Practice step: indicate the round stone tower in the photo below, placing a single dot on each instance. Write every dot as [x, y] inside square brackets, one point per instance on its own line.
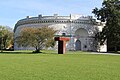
[81, 30]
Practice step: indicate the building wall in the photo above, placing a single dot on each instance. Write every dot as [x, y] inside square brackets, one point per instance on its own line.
[81, 28]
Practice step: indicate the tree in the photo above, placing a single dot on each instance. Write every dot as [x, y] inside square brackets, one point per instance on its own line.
[6, 37]
[38, 38]
[110, 14]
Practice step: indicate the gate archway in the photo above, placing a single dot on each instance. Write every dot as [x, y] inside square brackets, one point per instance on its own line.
[81, 35]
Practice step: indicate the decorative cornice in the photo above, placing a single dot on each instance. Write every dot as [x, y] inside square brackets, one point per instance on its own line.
[52, 19]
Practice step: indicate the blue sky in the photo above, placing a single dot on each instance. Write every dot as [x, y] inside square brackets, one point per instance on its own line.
[13, 10]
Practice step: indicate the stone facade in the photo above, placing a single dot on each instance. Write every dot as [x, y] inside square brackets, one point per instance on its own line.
[81, 30]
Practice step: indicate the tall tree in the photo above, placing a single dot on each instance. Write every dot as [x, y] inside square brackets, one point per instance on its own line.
[6, 37]
[38, 38]
[110, 14]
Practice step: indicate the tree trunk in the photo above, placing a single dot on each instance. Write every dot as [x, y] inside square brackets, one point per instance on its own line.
[37, 50]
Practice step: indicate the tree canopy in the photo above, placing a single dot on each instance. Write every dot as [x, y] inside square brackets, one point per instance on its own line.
[110, 14]
[6, 37]
[38, 38]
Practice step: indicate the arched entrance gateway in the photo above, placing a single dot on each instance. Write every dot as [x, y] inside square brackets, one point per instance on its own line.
[81, 42]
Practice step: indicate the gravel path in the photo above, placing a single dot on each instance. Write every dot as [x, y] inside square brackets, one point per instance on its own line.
[104, 53]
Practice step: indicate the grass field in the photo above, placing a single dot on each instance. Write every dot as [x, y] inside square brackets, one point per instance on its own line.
[71, 66]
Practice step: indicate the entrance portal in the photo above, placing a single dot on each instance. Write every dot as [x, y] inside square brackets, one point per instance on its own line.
[81, 35]
[78, 45]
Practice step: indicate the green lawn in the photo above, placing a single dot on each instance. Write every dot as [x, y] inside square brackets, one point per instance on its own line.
[71, 66]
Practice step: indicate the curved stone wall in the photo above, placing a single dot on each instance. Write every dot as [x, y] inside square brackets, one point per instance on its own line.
[64, 24]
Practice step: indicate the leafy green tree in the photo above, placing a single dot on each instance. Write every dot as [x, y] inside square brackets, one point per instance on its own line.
[38, 38]
[6, 37]
[110, 14]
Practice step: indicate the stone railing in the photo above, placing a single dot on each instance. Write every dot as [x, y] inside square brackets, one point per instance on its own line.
[54, 19]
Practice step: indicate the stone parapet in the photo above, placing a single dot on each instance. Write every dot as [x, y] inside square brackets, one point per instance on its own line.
[55, 19]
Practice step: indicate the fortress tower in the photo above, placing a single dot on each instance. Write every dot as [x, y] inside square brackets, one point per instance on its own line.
[81, 30]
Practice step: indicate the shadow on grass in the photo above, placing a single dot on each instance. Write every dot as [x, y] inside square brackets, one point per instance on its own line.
[15, 52]
[49, 52]
[28, 52]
